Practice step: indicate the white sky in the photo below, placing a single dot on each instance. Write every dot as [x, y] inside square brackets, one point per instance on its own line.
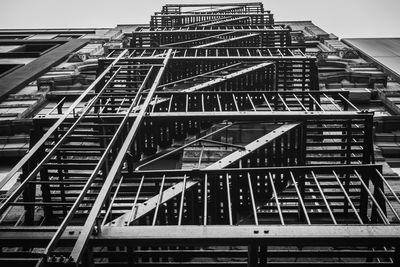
[345, 18]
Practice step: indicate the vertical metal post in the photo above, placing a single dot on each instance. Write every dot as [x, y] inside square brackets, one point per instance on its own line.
[29, 193]
[368, 156]
[396, 259]
[87, 259]
[263, 255]
[252, 255]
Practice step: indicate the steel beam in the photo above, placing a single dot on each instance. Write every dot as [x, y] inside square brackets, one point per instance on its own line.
[314, 235]
[238, 235]
[235, 116]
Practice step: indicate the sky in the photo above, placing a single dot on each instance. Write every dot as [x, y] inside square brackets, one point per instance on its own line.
[345, 18]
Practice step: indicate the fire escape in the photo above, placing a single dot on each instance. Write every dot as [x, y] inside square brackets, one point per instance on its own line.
[207, 142]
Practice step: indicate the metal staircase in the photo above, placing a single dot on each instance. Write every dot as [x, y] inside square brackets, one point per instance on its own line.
[105, 181]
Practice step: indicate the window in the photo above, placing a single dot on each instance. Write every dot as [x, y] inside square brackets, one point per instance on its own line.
[7, 68]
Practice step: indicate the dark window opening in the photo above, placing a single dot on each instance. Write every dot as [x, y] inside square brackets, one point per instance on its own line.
[29, 50]
[13, 37]
[68, 36]
[32, 48]
[8, 68]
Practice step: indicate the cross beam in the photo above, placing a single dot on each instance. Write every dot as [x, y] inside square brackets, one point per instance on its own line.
[314, 235]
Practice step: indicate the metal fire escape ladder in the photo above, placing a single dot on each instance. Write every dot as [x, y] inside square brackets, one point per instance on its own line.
[203, 79]
[111, 145]
[114, 173]
[149, 205]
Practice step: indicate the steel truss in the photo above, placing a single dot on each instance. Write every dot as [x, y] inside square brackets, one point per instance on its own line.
[199, 145]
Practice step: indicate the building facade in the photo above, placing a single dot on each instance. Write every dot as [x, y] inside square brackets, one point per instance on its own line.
[214, 135]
